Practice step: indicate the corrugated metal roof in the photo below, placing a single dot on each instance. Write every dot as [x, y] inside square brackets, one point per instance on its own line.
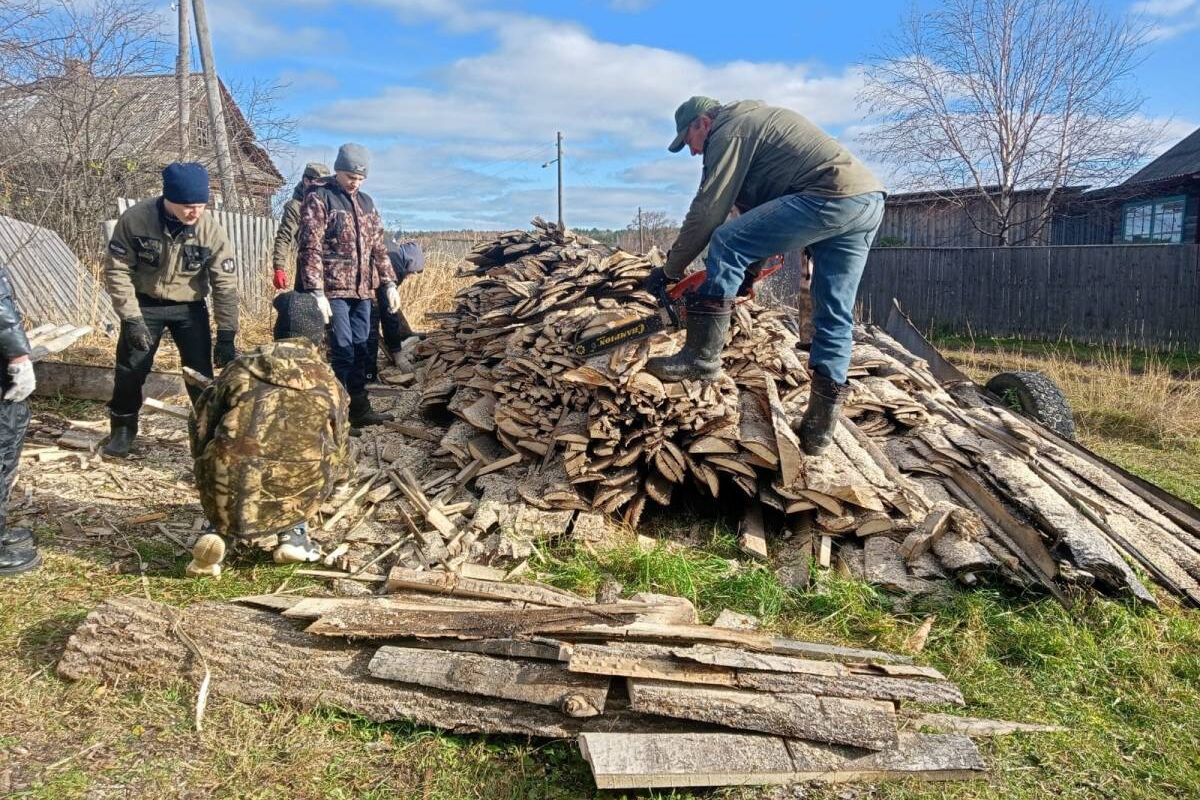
[1182, 159]
[51, 284]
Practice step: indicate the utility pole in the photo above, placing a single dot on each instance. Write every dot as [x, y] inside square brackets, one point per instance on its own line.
[215, 113]
[183, 68]
[641, 233]
[559, 160]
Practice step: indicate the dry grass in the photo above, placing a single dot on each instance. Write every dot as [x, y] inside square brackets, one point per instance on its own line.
[1120, 393]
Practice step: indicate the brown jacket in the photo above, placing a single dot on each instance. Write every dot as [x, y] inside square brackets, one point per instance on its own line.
[341, 244]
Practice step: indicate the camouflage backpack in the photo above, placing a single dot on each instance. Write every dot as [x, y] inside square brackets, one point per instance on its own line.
[269, 439]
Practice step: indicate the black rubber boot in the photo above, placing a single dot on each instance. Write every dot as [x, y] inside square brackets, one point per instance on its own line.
[825, 400]
[700, 357]
[123, 429]
[361, 413]
[13, 537]
[15, 559]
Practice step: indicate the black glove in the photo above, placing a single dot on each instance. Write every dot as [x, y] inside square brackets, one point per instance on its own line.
[137, 334]
[752, 270]
[659, 279]
[224, 351]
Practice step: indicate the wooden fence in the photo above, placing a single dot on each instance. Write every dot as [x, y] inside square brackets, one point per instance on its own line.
[1123, 294]
[252, 238]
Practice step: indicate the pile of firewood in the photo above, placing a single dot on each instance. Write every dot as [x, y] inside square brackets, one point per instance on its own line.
[655, 698]
[921, 486]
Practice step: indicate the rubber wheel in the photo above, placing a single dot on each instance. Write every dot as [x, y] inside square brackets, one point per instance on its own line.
[1035, 396]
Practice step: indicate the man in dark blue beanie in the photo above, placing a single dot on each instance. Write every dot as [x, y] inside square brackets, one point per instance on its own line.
[164, 256]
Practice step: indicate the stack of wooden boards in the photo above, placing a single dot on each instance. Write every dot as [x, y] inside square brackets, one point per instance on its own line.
[919, 489]
[655, 698]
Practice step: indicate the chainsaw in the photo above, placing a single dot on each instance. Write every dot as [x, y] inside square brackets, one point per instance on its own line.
[671, 315]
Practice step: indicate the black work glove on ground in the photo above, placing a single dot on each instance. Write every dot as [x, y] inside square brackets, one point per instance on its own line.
[137, 334]
[224, 350]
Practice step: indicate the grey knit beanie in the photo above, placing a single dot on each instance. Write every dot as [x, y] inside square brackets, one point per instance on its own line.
[354, 158]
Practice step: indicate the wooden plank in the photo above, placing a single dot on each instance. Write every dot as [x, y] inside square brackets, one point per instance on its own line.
[870, 687]
[974, 726]
[599, 660]
[862, 723]
[459, 586]
[665, 760]
[752, 539]
[374, 622]
[86, 382]
[525, 680]
[743, 660]
[787, 445]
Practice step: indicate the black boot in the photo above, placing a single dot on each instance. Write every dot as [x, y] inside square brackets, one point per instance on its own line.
[700, 357]
[123, 430]
[12, 537]
[361, 413]
[825, 400]
[15, 559]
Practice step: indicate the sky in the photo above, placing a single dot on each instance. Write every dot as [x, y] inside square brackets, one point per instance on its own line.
[459, 101]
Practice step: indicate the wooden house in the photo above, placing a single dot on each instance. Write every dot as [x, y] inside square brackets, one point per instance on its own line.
[963, 218]
[127, 127]
[1159, 204]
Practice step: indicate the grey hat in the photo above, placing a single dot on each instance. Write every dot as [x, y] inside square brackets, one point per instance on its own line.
[315, 169]
[354, 158]
[686, 114]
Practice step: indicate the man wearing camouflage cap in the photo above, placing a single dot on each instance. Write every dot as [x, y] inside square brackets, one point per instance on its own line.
[795, 187]
[343, 261]
[283, 253]
[269, 439]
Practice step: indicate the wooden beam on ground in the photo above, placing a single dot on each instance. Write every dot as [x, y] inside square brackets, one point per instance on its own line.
[528, 681]
[259, 657]
[449, 583]
[664, 760]
[861, 723]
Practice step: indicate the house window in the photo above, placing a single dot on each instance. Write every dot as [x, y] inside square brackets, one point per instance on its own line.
[1159, 220]
[202, 132]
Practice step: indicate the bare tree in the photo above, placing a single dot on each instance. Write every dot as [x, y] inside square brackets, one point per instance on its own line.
[996, 96]
[654, 228]
[68, 149]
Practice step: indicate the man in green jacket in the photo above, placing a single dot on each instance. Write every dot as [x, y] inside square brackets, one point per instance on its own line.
[794, 186]
[283, 252]
[166, 255]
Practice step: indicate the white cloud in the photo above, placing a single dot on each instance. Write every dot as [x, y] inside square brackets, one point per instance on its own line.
[462, 148]
[252, 34]
[1163, 8]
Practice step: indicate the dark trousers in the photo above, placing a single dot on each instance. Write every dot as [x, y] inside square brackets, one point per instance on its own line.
[348, 332]
[14, 420]
[395, 330]
[188, 324]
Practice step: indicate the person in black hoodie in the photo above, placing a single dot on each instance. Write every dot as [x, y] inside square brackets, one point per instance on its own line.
[18, 553]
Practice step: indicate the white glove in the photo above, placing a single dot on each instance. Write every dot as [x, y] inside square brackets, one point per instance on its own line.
[393, 299]
[23, 380]
[323, 304]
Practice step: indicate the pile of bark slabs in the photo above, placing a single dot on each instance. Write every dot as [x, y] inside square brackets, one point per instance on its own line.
[921, 488]
[655, 698]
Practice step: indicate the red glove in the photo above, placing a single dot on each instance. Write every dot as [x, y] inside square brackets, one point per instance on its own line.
[281, 280]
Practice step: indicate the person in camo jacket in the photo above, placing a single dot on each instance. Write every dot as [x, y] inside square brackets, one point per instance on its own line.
[283, 252]
[343, 262]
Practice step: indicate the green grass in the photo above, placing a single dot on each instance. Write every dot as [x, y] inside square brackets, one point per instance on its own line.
[1124, 679]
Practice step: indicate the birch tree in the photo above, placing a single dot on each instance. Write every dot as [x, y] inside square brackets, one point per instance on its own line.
[995, 96]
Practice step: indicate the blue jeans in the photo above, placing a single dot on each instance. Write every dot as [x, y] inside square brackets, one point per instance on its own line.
[838, 231]
[348, 332]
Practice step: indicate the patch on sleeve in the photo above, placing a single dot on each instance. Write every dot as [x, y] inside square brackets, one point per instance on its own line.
[228, 265]
[117, 249]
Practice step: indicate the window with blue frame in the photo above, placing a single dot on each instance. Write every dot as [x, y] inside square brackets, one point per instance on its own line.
[1159, 220]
